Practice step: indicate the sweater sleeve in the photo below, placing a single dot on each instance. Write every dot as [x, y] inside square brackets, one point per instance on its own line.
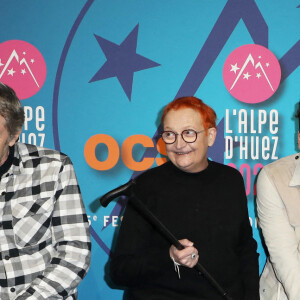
[136, 261]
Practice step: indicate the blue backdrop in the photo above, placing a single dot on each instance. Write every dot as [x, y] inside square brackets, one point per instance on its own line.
[112, 65]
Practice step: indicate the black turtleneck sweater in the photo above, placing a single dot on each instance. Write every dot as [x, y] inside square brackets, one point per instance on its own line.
[210, 209]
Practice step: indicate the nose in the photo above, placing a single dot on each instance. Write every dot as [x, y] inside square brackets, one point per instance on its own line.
[180, 142]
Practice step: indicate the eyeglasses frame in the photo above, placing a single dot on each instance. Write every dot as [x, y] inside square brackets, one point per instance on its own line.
[176, 134]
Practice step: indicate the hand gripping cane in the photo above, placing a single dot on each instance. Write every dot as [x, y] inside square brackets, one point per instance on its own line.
[126, 190]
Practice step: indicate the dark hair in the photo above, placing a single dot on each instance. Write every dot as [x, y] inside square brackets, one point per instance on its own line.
[11, 109]
[207, 114]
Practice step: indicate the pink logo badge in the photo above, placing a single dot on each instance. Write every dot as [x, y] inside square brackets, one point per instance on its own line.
[22, 67]
[251, 73]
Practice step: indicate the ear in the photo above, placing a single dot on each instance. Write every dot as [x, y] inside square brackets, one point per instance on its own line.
[14, 138]
[212, 133]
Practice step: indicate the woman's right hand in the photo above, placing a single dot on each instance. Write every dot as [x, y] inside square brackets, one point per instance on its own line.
[186, 257]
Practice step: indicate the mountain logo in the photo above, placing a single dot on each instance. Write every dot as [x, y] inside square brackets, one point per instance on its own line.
[251, 73]
[22, 67]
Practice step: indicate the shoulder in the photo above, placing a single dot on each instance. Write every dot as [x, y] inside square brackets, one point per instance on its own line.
[281, 167]
[224, 171]
[154, 173]
[29, 152]
[282, 162]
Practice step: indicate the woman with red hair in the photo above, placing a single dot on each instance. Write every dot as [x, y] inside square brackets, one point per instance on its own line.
[203, 203]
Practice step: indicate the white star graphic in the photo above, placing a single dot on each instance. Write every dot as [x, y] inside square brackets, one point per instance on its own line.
[23, 71]
[32, 60]
[246, 75]
[1, 64]
[24, 53]
[259, 57]
[11, 72]
[267, 64]
[234, 68]
[258, 75]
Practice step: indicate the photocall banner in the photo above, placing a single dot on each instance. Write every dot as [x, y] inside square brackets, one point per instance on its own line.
[94, 76]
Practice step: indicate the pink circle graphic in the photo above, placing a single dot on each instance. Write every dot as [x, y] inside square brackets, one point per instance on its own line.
[22, 67]
[251, 73]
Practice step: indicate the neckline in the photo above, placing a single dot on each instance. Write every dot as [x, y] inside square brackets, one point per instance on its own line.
[7, 164]
[204, 172]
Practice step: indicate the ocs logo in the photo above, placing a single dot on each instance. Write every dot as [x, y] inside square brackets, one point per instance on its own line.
[90, 152]
[22, 67]
[251, 73]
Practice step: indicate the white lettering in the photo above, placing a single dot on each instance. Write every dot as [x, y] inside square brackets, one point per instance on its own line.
[105, 220]
[228, 147]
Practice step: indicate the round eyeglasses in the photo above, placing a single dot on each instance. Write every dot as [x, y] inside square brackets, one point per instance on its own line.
[188, 135]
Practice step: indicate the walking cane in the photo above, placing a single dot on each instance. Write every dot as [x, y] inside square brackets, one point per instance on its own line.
[126, 190]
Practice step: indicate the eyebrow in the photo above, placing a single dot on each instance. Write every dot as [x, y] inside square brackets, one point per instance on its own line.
[184, 128]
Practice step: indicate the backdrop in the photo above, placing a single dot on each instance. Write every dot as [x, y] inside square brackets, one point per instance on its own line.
[94, 76]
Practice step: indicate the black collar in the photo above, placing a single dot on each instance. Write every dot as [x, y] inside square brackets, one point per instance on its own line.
[7, 164]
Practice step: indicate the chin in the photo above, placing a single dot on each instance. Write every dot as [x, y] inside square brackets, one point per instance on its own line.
[185, 168]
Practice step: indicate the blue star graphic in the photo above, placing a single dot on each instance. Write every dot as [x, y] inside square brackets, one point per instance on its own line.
[122, 61]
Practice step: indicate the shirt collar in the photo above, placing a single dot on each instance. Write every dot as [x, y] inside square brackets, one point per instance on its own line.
[295, 181]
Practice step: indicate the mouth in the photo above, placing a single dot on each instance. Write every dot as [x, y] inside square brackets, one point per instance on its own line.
[183, 153]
